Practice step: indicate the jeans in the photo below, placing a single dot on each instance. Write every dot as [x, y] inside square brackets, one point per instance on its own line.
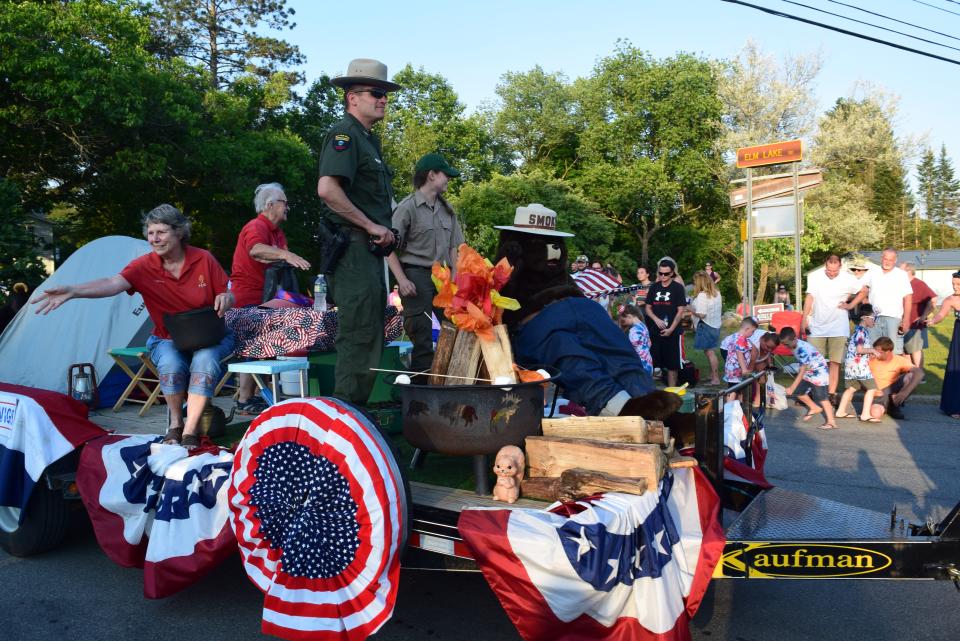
[202, 368]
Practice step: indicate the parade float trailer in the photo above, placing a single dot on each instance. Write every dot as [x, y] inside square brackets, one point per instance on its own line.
[774, 533]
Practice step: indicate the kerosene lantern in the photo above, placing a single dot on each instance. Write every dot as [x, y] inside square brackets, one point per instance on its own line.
[82, 383]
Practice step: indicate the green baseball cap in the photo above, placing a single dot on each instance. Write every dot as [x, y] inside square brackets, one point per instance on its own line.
[435, 162]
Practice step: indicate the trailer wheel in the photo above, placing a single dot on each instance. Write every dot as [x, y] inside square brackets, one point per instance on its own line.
[44, 525]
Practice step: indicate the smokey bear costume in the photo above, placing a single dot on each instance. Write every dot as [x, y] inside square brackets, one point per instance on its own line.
[558, 327]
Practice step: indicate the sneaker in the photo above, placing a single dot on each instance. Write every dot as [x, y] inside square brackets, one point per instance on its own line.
[895, 411]
[251, 407]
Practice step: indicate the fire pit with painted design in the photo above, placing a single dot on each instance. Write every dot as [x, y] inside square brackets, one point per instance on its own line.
[468, 420]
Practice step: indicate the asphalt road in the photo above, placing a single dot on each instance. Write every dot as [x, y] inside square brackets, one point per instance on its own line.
[77, 593]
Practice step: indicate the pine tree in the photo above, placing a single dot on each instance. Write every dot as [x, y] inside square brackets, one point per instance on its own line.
[927, 184]
[220, 35]
[947, 193]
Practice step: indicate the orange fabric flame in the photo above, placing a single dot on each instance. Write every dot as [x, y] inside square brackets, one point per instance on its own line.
[471, 298]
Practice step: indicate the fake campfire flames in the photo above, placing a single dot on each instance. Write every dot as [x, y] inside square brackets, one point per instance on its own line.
[575, 457]
[475, 347]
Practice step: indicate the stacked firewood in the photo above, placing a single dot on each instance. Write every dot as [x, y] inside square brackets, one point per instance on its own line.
[581, 456]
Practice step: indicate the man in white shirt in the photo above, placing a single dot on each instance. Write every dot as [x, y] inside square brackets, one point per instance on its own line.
[825, 315]
[891, 296]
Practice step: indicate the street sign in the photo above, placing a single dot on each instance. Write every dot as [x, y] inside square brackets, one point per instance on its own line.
[775, 218]
[764, 188]
[764, 313]
[772, 154]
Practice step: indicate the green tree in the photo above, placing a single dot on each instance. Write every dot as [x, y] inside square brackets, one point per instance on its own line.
[537, 118]
[312, 115]
[927, 184]
[427, 116]
[857, 144]
[947, 193]
[765, 100]
[84, 107]
[649, 149]
[221, 36]
[99, 129]
[19, 249]
[494, 202]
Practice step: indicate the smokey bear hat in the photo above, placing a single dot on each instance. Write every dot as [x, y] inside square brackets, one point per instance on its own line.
[535, 219]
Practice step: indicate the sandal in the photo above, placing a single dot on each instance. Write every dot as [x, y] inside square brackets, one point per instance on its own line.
[173, 436]
[870, 420]
[810, 415]
[827, 426]
[190, 441]
[846, 415]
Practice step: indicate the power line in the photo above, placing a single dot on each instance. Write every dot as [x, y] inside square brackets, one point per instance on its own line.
[869, 24]
[909, 24]
[862, 36]
[936, 7]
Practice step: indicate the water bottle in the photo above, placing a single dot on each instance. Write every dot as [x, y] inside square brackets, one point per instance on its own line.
[320, 293]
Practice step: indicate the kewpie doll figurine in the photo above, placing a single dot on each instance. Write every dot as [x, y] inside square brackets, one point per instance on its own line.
[509, 470]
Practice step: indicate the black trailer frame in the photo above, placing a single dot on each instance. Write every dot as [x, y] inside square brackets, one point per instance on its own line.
[778, 534]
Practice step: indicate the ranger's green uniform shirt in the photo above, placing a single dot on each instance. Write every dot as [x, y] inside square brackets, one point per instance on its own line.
[351, 152]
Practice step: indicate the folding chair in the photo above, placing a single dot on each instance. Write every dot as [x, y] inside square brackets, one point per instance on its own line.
[778, 321]
[138, 379]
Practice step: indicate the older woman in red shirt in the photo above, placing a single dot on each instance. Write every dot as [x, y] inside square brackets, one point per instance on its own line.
[260, 243]
[175, 277]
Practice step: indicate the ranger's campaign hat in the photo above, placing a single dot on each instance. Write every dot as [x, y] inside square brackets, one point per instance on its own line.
[535, 219]
[366, 71]
[435, 162]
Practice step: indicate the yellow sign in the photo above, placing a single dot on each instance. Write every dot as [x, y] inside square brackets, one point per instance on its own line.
[802, 561]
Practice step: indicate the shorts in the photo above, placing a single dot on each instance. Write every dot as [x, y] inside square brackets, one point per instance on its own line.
[833, 348]
[861, 384]
[915, 340]
[886, 392]
[707, 337]
[816, 392]
[666, 351]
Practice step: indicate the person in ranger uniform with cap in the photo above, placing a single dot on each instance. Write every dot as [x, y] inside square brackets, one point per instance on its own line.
[357, 195]
[429, 232]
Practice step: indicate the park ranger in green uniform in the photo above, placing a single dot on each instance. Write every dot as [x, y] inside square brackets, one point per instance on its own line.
[356, 191]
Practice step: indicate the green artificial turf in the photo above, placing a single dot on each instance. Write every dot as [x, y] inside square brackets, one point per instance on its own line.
[438, 469]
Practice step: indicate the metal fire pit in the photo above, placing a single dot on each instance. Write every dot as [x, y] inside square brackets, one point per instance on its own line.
[468, 420]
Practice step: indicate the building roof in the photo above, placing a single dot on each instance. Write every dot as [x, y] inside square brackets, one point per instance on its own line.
[924, 258]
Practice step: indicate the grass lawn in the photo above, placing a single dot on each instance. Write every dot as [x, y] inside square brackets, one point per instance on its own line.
[935, 357]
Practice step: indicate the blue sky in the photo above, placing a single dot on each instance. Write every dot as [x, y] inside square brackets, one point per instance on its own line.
[473, 43]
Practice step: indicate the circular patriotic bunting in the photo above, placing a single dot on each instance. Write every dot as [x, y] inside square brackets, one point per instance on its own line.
[319, 510]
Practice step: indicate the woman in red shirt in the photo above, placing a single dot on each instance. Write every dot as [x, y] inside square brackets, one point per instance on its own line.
[175, 277]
